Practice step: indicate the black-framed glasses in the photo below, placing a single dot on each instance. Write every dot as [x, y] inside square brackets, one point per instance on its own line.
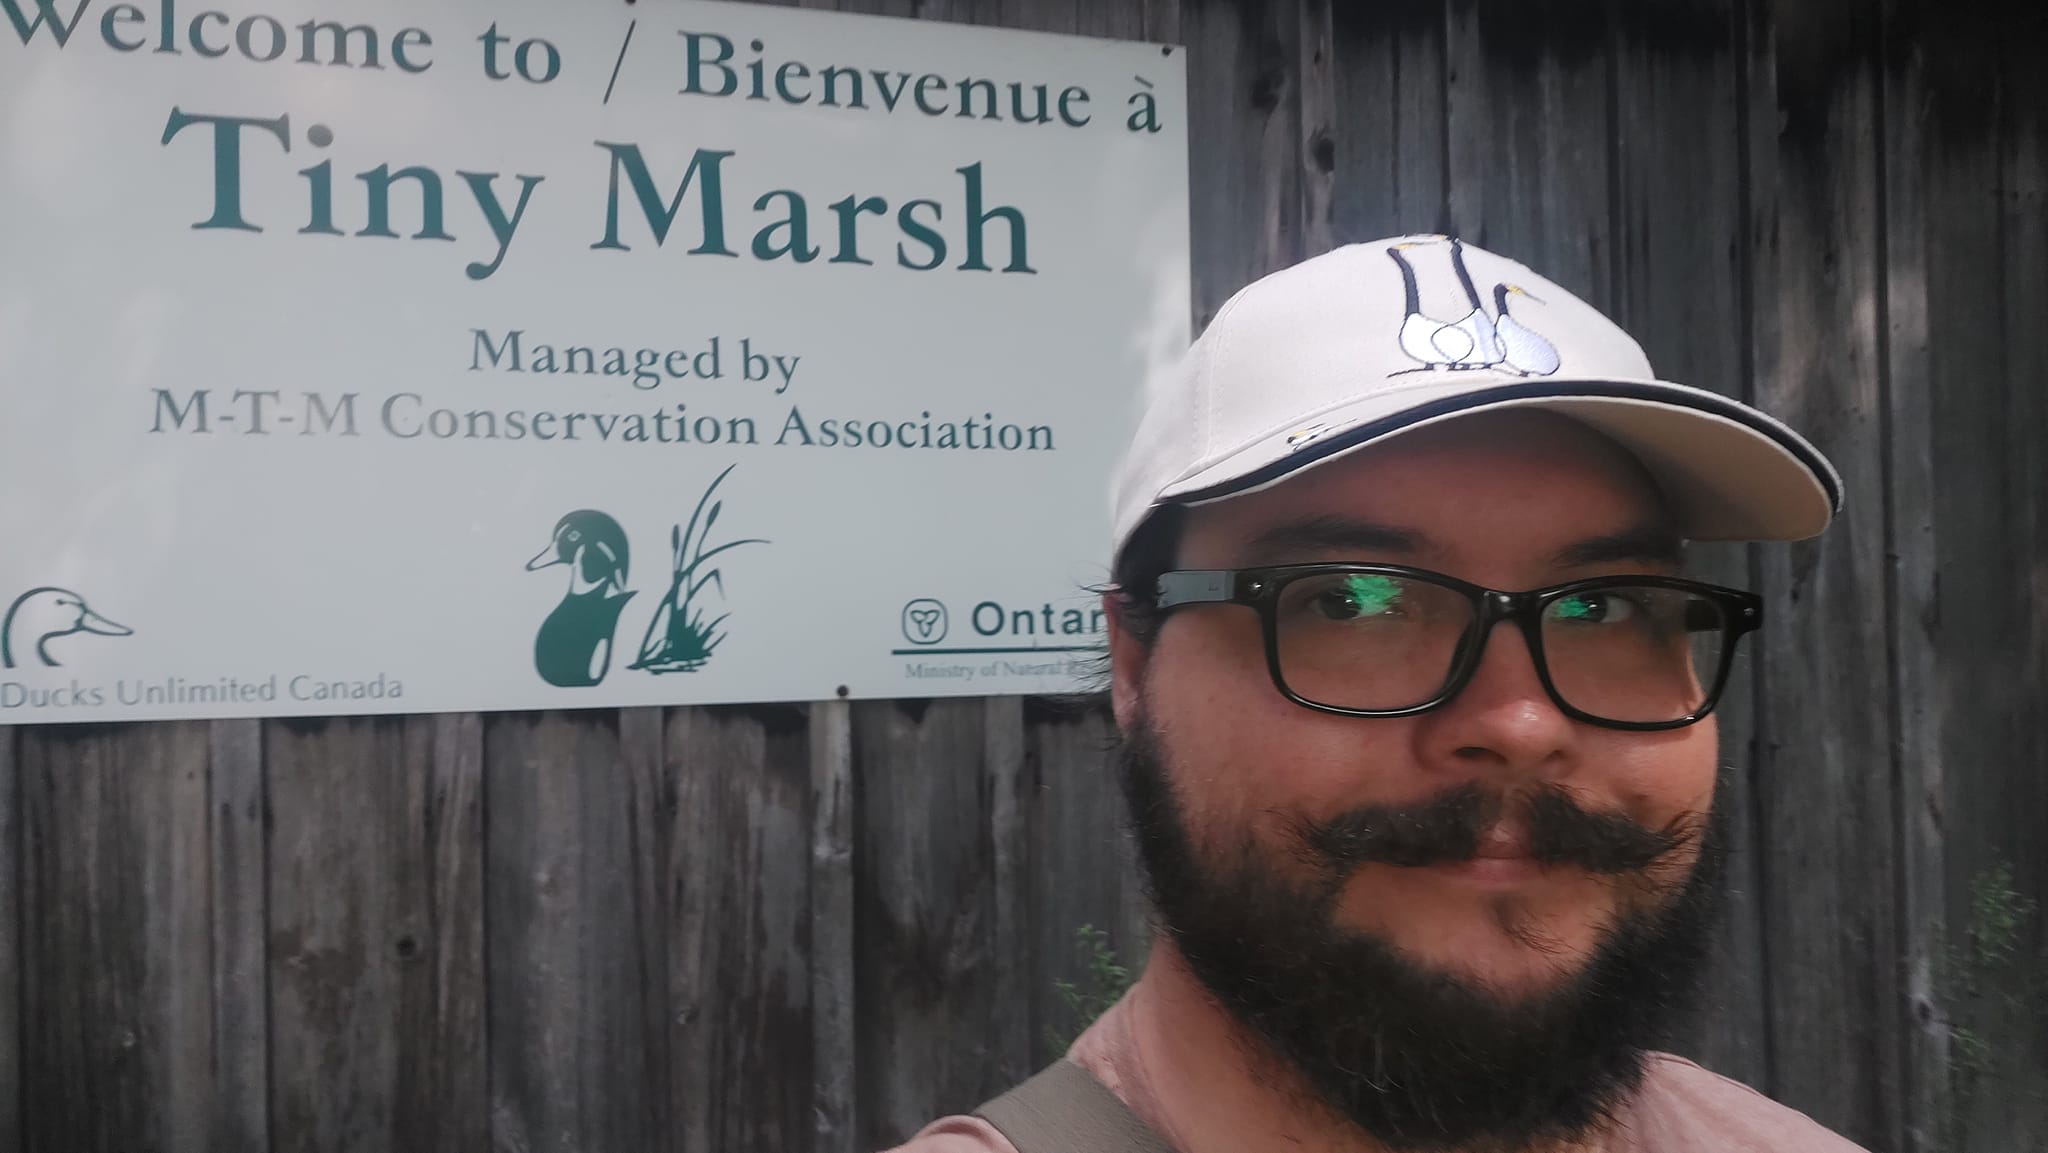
[1633, 652]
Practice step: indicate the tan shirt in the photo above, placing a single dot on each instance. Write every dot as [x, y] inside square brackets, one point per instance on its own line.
[1681, 1107]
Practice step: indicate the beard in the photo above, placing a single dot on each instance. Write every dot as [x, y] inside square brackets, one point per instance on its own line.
[1417, 1058]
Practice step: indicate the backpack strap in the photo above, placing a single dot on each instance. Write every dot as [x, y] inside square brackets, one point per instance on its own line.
[1064, 1109]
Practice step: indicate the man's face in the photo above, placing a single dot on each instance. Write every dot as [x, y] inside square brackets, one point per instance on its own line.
[1511, 503]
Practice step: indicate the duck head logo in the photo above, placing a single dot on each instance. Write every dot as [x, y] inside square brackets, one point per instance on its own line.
[1477, 339]
[574, 646]
[679, 639]
[42, 615]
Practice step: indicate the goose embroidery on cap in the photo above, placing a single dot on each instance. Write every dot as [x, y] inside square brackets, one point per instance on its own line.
[1476, 340]
[1522, 348]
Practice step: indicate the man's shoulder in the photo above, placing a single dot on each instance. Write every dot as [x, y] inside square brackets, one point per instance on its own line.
[1106, 1049]
[960, 1134]
[1686, 1107]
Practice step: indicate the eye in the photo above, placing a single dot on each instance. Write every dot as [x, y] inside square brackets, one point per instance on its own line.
[1358, 596]
[1594, 608]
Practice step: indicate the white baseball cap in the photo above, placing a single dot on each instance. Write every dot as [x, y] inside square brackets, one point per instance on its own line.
[1371, 340]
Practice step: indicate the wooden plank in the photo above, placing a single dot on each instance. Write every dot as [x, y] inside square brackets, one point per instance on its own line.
[1977, 647]
[1678, 201]
[740, 966]
[2011, 1105]
[958, 11]
[241, 1001]
[334, 928]
[650, 815]
[10, 941]
[376, 931]
[446, 1088]
[1528, 111]
[1828, 832]
[2026, 207]
[1244, 141]
[1119, 20]
[1009, 834]
[1037, 15]
[832, 939]
[180, 973]
[1677, 224]
[1984, 255]
[1975, 1040]
[1979, 699]
[570, 1065]
[1316, 148]
[116, 977]
[924, 931]
[1910, 417]
[1389, 143]
[1162, 21]
[1978, 283]
[1083, 872]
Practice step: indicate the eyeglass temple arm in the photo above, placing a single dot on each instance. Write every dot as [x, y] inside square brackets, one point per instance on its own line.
[1195, 586]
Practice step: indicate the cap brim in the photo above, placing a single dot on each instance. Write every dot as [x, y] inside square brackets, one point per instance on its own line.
[1730, 471]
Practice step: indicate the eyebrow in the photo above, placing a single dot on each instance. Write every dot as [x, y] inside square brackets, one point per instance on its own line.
[1647, 544]
[1334, 534]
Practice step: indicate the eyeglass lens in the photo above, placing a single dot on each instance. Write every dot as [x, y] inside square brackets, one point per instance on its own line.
[1634, 654]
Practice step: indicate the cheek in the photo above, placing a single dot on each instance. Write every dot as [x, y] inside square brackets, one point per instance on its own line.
[1660, 781]
[1657, 777]
[1245, 757]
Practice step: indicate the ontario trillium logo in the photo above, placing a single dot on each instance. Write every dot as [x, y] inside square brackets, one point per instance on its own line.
[46, 614]
[924, 621]
[573, 648]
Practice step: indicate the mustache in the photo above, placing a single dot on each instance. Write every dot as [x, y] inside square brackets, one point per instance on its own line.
[1447, 828]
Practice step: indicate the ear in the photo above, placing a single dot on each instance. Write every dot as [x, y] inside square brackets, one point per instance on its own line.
[1127, 659]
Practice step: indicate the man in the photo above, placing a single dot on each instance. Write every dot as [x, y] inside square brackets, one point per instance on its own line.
[1418, 729]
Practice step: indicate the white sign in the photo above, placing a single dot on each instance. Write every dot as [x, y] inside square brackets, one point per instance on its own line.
[391, 357]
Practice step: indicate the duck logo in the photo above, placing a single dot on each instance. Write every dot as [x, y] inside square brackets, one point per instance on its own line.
[45, 614]
[1496, 342]
[574, 646]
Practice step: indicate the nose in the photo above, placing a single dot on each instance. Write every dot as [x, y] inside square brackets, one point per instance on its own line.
[1503, 720]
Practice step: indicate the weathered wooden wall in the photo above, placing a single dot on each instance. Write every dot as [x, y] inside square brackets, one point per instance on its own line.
[813, 927]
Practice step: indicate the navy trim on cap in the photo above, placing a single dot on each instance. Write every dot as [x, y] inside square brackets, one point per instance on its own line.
[1706, 402]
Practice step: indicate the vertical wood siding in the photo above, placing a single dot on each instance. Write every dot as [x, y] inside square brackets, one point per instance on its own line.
[812, 927]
